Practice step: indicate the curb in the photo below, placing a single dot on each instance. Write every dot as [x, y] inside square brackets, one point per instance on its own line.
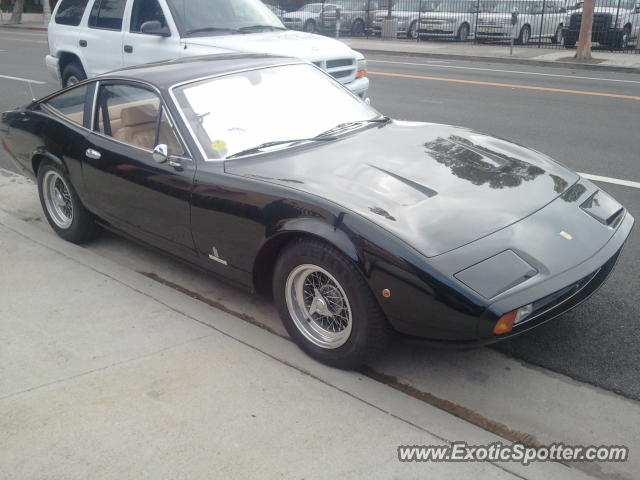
[21, 27]
[516, 61]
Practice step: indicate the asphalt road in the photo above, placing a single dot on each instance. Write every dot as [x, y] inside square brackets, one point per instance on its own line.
[588, 120]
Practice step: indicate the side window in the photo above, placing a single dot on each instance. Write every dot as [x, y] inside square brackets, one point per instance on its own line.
[70, 104]
[107, 14]
[70, 12]
[146, 11]
[134, 115]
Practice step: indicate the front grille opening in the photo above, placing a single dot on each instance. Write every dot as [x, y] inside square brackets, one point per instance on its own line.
[341, 73]
[342, 62]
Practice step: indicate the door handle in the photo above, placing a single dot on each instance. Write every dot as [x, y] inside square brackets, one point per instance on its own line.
[128, 48]
[83, 43]
[91, 153]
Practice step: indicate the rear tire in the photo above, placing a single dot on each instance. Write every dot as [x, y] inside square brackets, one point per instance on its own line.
[326, 305]
[72, 73]
[463, 33]
[61, 205]
[357, 29]
[525, 35]
[310, 26]
[557, 38]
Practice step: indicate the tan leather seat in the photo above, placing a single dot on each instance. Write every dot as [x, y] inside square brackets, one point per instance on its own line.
[137, 127]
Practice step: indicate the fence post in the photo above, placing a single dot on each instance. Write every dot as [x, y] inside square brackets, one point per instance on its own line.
[418, 21]
[475, 28]
[616, 23]
[541, 25]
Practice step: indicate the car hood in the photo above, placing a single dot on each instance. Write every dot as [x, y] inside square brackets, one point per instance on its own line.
[437, 187]
[285, 42]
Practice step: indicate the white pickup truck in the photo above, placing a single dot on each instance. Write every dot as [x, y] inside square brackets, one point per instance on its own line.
[90, 37]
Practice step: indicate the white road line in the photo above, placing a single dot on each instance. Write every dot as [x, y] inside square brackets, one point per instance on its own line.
[507, 71]
[616, 181]
[20, 79]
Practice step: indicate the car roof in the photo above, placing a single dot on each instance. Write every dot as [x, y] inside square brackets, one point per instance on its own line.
[171, 72]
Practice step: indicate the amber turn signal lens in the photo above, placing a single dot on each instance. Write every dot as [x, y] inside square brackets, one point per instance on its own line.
[361, 74]
[505, 323]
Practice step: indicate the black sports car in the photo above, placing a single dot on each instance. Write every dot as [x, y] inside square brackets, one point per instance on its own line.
[267, 172]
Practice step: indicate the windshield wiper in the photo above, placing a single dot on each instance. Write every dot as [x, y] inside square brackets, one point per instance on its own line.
[357, 123]
[250, 28]
[211, 29]
[262, 146]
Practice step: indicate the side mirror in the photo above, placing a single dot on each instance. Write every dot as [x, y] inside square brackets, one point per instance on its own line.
[160, 153]
[154, 27]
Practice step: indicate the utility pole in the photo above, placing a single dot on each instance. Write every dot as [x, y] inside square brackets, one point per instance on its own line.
[583, 50]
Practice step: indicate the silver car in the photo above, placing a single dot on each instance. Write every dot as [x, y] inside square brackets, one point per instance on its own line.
[407, 13]
[355, 16]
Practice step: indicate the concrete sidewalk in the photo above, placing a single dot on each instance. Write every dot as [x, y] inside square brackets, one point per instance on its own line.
[105, 373]
[560, 57]
[30, 21]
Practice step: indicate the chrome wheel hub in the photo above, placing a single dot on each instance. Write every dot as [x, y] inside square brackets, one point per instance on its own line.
[318, 306]
[57, 199]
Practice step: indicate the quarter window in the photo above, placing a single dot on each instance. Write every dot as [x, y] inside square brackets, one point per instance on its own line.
[134, 115]
[107, 14]
[70, 104]
[70, 12]
[146, 11]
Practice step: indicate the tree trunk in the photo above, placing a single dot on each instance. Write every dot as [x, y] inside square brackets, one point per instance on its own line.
[16, 15]
[46, 10]
[583, 50]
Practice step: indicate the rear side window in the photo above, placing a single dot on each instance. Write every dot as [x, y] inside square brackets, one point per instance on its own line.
[70, 12]
[70, 104]
[107, 14]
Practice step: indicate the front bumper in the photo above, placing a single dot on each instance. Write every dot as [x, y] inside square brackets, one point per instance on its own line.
[53, 66]
[359, 87]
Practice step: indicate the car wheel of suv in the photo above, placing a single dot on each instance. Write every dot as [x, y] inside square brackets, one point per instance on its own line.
[72, 74]
[326, 305]
[525, 35]
[413, 30]
[357, 29]
[309, 26]
[557, 38]
[64, 211]
[622, 40]
[463, 33]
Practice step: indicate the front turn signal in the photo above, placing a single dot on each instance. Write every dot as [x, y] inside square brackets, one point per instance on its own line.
[505, 323]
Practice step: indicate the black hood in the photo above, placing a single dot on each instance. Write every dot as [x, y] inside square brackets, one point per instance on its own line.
[435, 186]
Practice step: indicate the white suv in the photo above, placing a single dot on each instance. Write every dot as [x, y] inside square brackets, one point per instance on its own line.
[89, 37]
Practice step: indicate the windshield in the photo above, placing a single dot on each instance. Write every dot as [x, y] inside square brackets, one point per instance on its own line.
[414, 5]
[237, 112]
[457, 7]
[208, 15]
[313, 8]
[508, 7]
[628, 5]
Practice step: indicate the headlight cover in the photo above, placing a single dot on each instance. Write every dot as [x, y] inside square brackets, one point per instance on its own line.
[497, 274]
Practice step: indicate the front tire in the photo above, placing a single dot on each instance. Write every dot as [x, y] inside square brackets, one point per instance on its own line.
[61, 205]
[463, 33]
[357, 29]
[310, 26]
[412, 33]
[557, 38]
[72, 74]
[327, 307]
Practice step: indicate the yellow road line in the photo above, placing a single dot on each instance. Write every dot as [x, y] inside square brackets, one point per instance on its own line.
[507, 85]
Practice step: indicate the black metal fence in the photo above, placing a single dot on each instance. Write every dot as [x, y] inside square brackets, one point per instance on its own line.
[526, 23]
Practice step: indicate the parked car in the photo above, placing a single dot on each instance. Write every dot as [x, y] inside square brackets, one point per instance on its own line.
[309, 17]
[279, 12]
[407, 13]
[536, 19]
[90, 37]
[356, 16]
[361, 226]
[450, 19]
[616, 23]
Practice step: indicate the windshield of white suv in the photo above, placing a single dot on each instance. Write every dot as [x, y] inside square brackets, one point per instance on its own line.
[508, 7]
[614, 4]
[234, 113]
[457, 7]
[206, 17]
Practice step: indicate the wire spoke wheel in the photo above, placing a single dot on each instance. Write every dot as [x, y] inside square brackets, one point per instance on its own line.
[57, 199]
[318, 306]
